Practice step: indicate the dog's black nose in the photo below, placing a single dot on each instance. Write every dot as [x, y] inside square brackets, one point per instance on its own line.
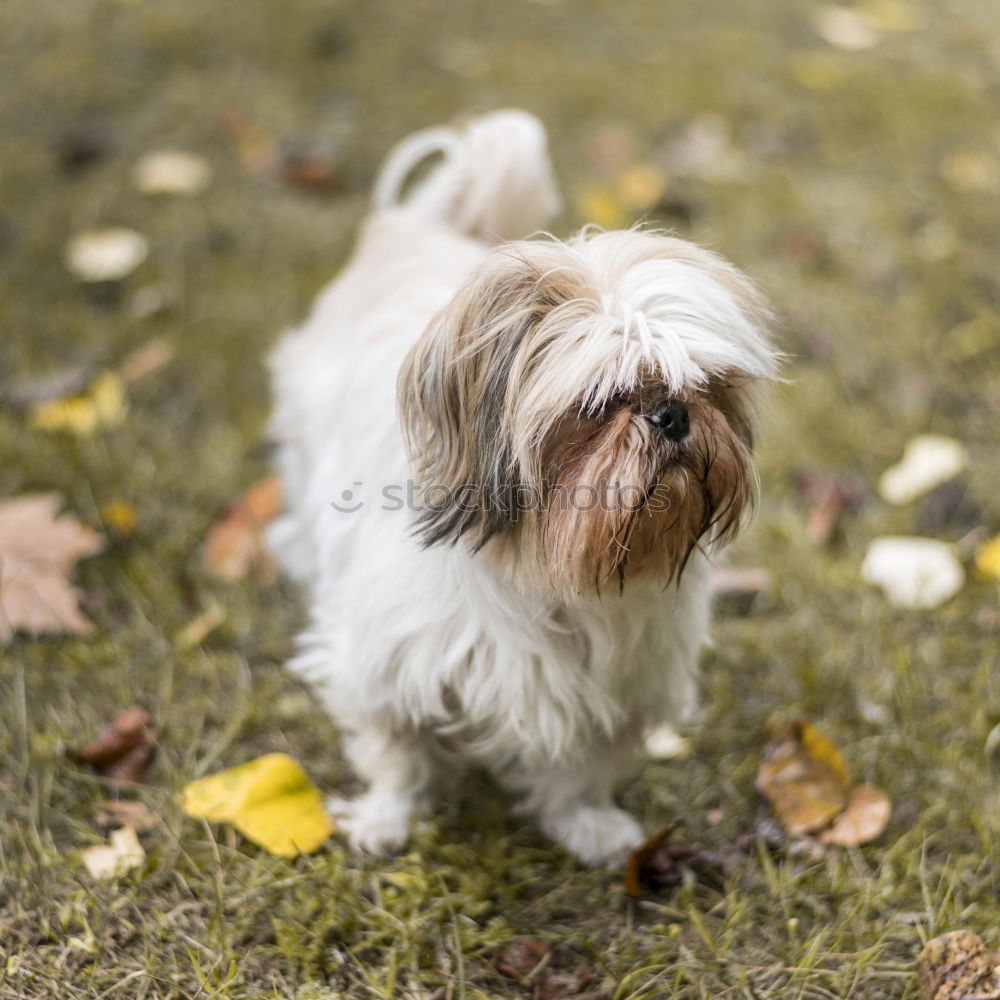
[671, 417]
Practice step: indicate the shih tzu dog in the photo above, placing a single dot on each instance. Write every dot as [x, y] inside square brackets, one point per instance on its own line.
[505, 462]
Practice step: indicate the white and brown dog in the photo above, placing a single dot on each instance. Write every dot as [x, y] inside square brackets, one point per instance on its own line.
[504, 464]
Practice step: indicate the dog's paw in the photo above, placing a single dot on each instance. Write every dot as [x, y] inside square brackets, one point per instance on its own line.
[597, 836]
[374, 823]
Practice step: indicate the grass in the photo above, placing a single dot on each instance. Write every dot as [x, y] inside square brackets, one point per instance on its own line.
[883, 267]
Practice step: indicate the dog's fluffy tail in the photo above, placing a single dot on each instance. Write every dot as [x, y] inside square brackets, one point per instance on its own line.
[494, 181]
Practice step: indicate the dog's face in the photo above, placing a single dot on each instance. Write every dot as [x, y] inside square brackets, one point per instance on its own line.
[583, 412]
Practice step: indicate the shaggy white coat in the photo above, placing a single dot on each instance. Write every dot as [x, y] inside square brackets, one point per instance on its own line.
[425, 656]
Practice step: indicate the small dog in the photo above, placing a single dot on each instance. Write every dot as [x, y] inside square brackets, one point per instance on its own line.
[505, 461]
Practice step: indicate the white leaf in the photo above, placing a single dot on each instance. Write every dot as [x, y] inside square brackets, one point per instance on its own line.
[117, 858]
[171, 171]
[928, 460]
[845, 28]
[665, 743]
[105, 254]
[913, 572]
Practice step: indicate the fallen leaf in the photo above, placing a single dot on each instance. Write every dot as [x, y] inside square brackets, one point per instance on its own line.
[913, 572]
[611, 149]
[638, 860]
[971, 171]
[535, 967]
[119, 518]
[172, 171]
[738, 587]
[641, 186]
[101, 404]
[118, 812]
[657, 864]
[123, 751]
[600, 205]
[234, 545]
[105, 254]
[117, 858]
[200, 627]
[705, 149]
[255, 150]
[928, 460]
[522, 957]
[803, 777]
[665, 743]
[845, 28]
[830, 497]
[145, 360]
[956, 966]
[38, 548]
[269, 800]
[868, 810]
[310, 170]
[988, 558]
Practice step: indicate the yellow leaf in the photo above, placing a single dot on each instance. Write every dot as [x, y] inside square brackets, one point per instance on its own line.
[601, 206]
[119, 518]
[641, 186]
[269, 800]
[803, 777]
[101, 405]
[988, 559]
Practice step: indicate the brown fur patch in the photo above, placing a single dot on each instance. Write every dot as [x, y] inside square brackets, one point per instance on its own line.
[625, 501]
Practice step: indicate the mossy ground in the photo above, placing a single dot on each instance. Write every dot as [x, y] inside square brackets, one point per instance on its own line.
[885, 274]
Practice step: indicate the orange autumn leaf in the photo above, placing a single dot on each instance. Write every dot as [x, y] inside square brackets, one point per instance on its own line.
[38, 548]
[803, 777]
[868, 810]
[234, 546]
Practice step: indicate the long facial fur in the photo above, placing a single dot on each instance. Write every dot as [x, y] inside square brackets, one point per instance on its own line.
[535, 382]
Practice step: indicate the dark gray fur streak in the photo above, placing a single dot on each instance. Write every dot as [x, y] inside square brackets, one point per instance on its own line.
[495, 486]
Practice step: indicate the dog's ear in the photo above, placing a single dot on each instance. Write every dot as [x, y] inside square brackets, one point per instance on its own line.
[455, 401]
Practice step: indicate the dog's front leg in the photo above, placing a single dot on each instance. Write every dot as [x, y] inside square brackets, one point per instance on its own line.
[575, 805]
[396, 764]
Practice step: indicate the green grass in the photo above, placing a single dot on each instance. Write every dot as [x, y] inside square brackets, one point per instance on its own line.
[891, 330]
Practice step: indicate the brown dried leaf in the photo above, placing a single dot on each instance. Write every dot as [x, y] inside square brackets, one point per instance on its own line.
[234, 545]
[522, 957]
[124, 749]
[256, 151]
[311, 171]
[803, 777]
[956, 966]
[146, 359]
[868, 810]
[637, 862]
[659, 865]
[38, 547]
[830, 497]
